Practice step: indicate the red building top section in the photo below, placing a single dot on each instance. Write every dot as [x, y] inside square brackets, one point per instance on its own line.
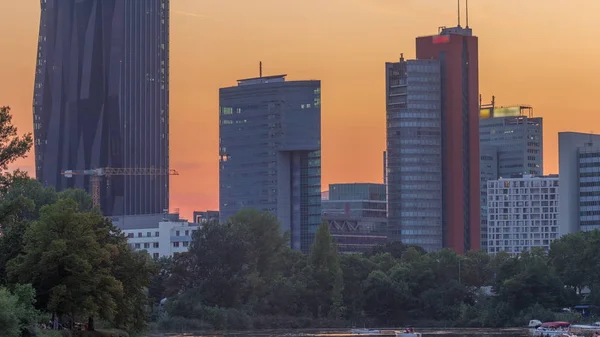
[457, 50]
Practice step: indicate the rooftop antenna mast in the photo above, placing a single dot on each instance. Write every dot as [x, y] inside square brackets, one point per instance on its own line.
[458, 13]
[260, 69]
[467, 5]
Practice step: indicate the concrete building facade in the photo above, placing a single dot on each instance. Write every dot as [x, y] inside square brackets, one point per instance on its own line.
[270, 152]
[579, 167]
[161, 235]
[522, 213]
[101, 98]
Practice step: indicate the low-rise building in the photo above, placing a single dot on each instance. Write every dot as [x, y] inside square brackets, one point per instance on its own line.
[357, 216]
[522, 213]
[205, 216]
[161, 235]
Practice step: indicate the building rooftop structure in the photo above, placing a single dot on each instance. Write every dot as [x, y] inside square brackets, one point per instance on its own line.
[262, 79]
[128, 222]
[490, 110]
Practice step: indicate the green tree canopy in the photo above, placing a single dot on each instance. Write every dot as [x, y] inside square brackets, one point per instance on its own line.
[81, 265]
[12, 147]
[223, 284]
[231, 261]
[17, 312]
[328, 282]
[65, 261]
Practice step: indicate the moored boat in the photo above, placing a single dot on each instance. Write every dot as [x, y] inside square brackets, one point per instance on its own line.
[581, 328]
[410, 332]
[553, 329]
[534, 324]
[365, 332]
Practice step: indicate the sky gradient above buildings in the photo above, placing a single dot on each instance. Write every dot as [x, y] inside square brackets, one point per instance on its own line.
[537, 52]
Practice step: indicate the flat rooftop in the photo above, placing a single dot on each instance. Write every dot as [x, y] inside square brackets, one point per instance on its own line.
[262, 79]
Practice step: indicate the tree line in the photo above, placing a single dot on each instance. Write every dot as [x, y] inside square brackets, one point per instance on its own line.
[241, 275]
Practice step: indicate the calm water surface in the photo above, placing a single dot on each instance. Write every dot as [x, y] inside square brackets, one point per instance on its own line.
[346, 333]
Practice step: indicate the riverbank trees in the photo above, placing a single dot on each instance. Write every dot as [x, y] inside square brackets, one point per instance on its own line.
[77, 265]
[221, 283]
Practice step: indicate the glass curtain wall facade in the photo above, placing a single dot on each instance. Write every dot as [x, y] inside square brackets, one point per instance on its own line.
[101, 98]
[414, 153]
[270, 153]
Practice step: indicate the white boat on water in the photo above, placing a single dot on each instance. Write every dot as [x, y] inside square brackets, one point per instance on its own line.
[594, 327]
[407, 334]
[365, 332]
[534, 324]
[545, 332]
[553, 329]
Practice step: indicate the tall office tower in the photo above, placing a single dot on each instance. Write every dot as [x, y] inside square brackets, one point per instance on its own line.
[579, 167]
[414, 153]
[101, 99]
[270, 150]
[511, 142]
[455, 49]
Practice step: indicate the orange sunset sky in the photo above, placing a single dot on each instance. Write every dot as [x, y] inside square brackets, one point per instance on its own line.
[537, 52]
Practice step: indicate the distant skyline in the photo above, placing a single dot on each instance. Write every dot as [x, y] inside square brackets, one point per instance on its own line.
[536, 52]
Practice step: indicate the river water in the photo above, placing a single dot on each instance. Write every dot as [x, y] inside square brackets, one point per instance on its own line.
[477, 332]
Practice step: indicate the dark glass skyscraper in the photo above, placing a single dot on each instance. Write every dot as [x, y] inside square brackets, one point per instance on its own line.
[101, 98]
[270, 149]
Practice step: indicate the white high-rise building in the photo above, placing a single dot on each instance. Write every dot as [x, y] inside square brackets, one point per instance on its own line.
[522, 213]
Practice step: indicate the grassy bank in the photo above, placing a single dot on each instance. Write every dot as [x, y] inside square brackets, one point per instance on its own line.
[98, 333]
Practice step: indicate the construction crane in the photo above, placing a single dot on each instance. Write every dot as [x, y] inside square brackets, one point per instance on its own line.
[97, 174]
